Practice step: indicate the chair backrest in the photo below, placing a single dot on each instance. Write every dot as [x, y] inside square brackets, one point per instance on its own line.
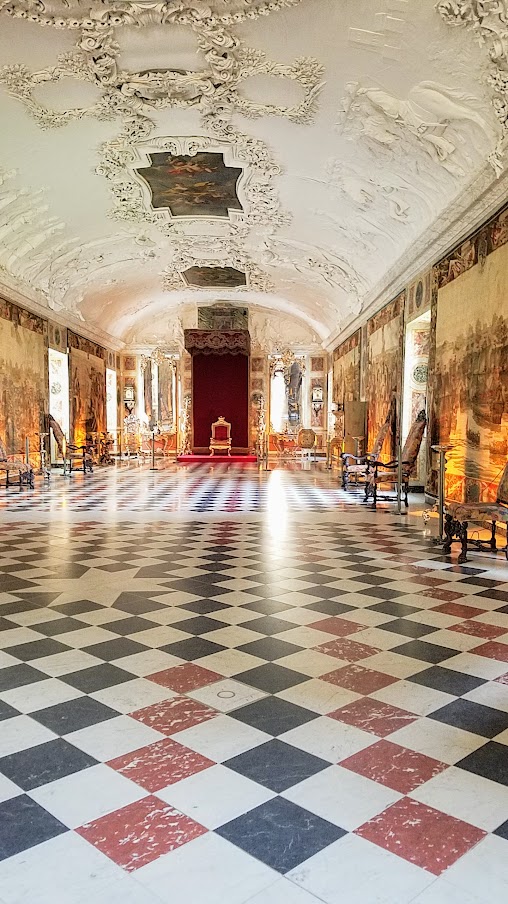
[306, 438]
[57, 433]
[385, 428]
[221, 430]
[502, 490]
[414, 441]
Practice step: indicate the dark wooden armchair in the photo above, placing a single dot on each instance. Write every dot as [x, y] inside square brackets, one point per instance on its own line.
[387, 472]
[15, 464]
[358, 467]
[72, 455]
[458, 515]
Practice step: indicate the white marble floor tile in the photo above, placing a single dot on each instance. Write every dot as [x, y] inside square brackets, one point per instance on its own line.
[342, 797]
[355, 871]
[222, 738]
[215, 796]
[329, 739]
[227, 695]
[208, 870]
[87, 795]
[110, 739]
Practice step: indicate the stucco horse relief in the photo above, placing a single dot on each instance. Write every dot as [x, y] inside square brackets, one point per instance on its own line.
[427, 113]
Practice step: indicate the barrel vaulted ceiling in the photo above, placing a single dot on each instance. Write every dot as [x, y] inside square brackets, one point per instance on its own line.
[291, 154]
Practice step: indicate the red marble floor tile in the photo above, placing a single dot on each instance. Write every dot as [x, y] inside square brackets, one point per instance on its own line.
[503, 679]
[459, 609]
[371, 715]
[396, 767]
[174, 715]
[493, 650]
[157, 765]
[438, 593]
[424, 836]
[186, 677]
[428, 581]
[339, 626]
[356, 678]
[478, 629]
[141, 832]
[346, 649]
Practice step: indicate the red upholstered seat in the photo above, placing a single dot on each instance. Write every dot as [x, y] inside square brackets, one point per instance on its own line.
[220, 439]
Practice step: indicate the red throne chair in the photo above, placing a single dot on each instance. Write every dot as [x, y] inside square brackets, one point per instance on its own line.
[220, 439]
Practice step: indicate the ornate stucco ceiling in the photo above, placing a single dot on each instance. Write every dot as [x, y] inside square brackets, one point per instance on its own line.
[352, 128]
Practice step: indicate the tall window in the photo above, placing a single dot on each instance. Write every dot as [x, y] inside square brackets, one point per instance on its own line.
[278, 401]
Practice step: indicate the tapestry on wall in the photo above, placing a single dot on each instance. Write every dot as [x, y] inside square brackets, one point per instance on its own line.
[385, 337]
[23, 377]
[346, 370]
[88, 395]
[469, 407]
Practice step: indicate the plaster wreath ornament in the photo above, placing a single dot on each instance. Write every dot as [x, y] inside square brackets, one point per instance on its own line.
[488, 22]
[228, 63]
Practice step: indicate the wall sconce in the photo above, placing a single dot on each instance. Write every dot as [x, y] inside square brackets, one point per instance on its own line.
[317, 400]
[129, 398]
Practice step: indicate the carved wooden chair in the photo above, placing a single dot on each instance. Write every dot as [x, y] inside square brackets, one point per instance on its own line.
[220, 440]
[72, 455]
[387, 472]
[14, 464]
[458, 515]
[358, 467]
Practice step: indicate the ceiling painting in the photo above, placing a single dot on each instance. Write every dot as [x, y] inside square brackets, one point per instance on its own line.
[198, 186]
[214, 277]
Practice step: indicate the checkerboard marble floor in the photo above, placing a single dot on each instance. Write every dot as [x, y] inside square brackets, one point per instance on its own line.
[289, 705]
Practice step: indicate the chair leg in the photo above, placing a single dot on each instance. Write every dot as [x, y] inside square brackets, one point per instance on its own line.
[493, 544]
[463, 539]
[449, 532]
[506, 547]
[406, 491]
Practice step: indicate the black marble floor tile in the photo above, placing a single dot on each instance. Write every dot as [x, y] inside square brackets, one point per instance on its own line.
[19, 676]
[58, 626]
[23, 824]
[97, 678]
[109, 650]
[426, 652]
[489, 761]
[270, 648]
[201, 624]
[407, 628]
[473, 717]
[280, 834]
[204, 607]
[382, 593]
[273, 715]
[276, 765]
[269, 625]
[192, 648]
[63, 718]
[7, 711]
[44, 763]
[447, 680]
[137, 604]
[130, 625]
[37, 649]
[502, 830]
[399, 610]
[267, 606]
[271, 678]
[77, 607]
[330, 607]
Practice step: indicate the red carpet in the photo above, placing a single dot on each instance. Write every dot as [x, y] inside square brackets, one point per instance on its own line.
[209, 459]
